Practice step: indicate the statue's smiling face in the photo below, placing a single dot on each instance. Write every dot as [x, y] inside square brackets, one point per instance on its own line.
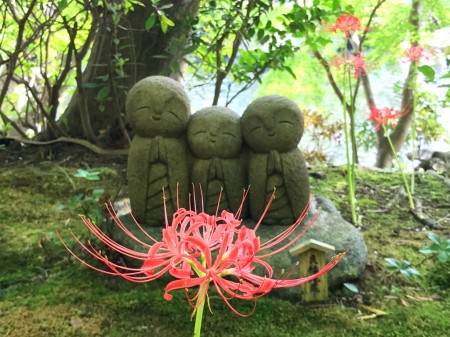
[272, 125]
[215, 132]
[157, 110]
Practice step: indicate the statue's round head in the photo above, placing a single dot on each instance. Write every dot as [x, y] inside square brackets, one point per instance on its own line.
[215, 132]
[272, 123]
[157, 106]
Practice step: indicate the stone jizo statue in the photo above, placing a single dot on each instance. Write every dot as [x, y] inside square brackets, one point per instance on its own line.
[158, 110]
[272, 127]
[215, 139]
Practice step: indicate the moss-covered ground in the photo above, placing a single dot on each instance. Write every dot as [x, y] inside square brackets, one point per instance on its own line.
[44, 292]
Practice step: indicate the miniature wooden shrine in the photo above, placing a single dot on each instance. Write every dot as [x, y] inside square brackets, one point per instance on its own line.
[312, 258]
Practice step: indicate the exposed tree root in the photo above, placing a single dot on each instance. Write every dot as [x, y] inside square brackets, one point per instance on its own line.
[92, 147]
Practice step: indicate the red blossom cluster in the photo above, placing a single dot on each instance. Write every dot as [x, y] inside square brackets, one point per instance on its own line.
[347, 24]
[356, 62]
[382, 116]
[198, 249]
[415, 53]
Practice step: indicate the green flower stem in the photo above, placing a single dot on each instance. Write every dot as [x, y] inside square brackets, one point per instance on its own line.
[413, 144]
[350, 176]
[199, 316]
[413, 126]
[353, 148]
[200, 300]
[397, 159]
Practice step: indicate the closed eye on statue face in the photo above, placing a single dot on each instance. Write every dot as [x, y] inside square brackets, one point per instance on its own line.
[200, 132]
[229, 134]
[255, 128]
[142, 107]
[285, 122]
[174, 114]
[173, 104]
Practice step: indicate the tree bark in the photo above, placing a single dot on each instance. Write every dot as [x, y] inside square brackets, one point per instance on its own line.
[146, 53]
[398, 136]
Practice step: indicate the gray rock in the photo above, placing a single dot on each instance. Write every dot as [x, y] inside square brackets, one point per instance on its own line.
[332, 229]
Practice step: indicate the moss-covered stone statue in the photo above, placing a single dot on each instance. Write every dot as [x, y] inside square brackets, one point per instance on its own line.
[272, 127]
[158, 110]
[215, 139]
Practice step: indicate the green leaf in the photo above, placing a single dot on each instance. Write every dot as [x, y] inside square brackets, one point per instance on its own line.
[116, 19]
[75, 199]
[62, 4]
[190, 49]
[290, 71]
[412, 271]
[392, 268]
[428, 72]
[316, 3]
[97, 193]
[260, 34]
[392, 261]
[351, 287]
[428, 250]
[88, 174]
[81, 173]
[150, 22]
[442, 256]
[165, 6]
[446, 75]
[336, 5]
[102, 94]
[435, 238]
[165, 23]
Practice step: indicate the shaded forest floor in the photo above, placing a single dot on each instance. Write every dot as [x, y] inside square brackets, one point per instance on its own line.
[44, 292]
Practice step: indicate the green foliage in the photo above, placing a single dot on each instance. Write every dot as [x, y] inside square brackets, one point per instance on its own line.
[94, 174]
[89, 202]
[439, 275]
[428, 127]
[428, 72]
[34, 44]
[308, 89]
[243, 41]
[439, 248]
[402, 267]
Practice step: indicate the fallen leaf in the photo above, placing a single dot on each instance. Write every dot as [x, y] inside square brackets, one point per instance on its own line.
[419, 299]
[76, 322]
[367, 317]
[377, 312]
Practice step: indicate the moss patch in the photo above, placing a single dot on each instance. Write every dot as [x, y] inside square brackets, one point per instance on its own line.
[43, 292]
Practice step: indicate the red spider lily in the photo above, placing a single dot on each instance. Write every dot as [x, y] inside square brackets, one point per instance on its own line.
[198, 249]
[358, 64]
[353, 61]
[383, 116]
[347, 24]
[415, 53]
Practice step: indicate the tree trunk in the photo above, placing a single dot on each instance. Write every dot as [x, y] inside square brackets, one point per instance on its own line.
[398, 136]
[145, 53]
